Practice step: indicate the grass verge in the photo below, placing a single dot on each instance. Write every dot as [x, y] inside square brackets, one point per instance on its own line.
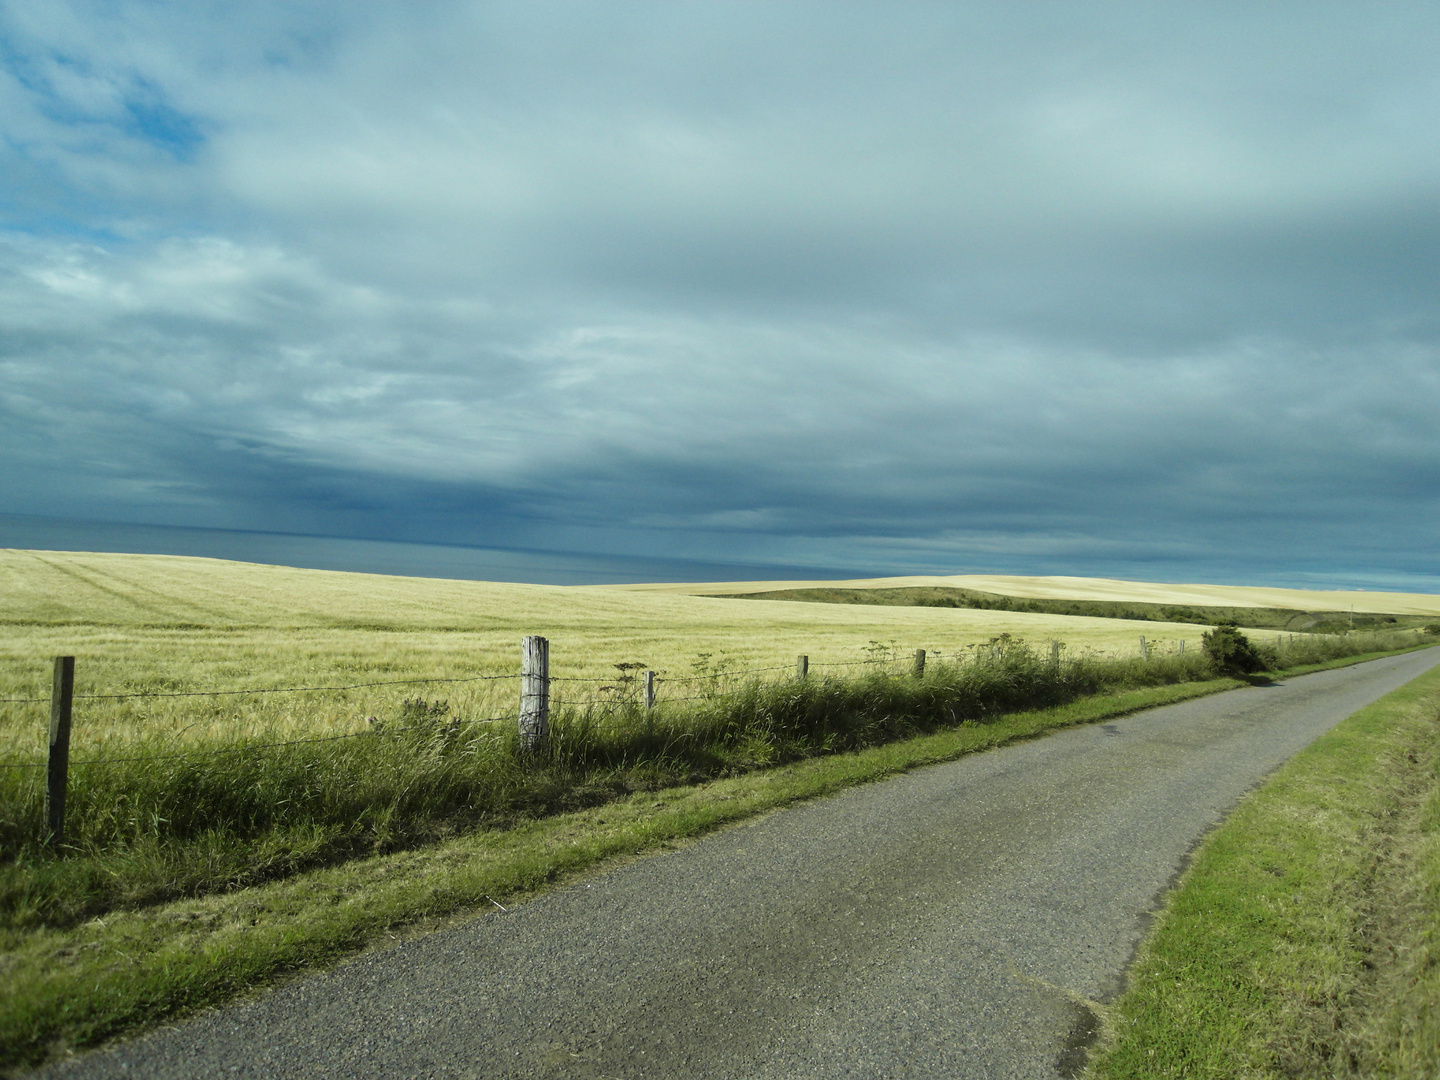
[1304, 939]
[151, 826]
[70, 987]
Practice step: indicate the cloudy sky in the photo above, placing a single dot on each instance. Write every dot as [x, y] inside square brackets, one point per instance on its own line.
[1146, 290]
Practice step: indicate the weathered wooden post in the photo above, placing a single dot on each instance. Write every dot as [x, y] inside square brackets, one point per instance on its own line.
[919, 663]
[1182, 646]
[1054, 653]
[649, 695]
[62, 694]
[534, 693]
[802, 666]
[1144, 649]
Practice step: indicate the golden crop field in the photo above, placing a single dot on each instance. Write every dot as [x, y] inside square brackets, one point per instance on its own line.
[142, 624]
[1074, 588]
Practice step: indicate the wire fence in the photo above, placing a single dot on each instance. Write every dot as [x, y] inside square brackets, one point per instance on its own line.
[626, 685]
[619, 699]
[623, 690]
[260, 690]
[245, 748]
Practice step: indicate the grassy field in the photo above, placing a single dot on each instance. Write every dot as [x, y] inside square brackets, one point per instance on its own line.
[140, 624]
[1104, 589]
[193, 798]
[1304, 940]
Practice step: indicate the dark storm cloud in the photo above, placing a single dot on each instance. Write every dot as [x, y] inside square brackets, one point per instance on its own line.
[941, 286]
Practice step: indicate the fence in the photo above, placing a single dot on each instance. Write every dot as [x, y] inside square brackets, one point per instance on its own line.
[535, 700]
[532, 717]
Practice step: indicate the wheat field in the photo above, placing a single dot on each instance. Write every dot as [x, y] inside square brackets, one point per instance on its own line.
[1076, 588]
[147, 624]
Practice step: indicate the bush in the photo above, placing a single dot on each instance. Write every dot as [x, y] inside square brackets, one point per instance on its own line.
[1231, 651]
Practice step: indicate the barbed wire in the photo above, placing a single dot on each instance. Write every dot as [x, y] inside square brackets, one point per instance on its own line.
[587, 679]
[436, 680]
[707, 677]
[666, 677]
[441, 680]
[245, 749]
[265, 690]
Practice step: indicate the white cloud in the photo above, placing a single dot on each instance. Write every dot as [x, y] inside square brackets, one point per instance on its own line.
[951, 276]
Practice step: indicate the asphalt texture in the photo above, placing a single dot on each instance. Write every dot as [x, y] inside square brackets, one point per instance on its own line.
[956, 921]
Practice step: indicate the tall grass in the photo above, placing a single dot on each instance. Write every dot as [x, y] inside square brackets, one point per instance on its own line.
[155, 826]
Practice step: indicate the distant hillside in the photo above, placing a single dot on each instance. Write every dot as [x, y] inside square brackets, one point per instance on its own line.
[1265, 618]
[1103, 589]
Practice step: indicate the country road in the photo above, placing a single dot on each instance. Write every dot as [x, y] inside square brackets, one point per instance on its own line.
[952, 922]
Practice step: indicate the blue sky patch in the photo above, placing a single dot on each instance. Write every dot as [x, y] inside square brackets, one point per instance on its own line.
[152, 119]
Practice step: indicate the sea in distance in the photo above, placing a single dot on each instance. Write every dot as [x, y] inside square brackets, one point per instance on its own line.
[384, 556]
[539, 567]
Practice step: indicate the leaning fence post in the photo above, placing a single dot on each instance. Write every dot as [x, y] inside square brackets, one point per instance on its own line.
[61, 696]
[919, 662]
[802, 666]
[534, 693]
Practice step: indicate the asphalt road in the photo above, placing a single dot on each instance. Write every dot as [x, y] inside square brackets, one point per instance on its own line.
[952, 922]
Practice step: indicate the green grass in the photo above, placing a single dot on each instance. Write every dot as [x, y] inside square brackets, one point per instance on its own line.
[152, 624]
[158, 825]
[1304, 939]
[941, 596]
[72, 985]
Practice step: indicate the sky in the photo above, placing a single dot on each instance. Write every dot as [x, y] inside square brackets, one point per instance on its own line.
[1145, 290]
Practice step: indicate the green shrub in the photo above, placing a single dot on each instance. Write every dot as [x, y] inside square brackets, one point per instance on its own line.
[1231, 652]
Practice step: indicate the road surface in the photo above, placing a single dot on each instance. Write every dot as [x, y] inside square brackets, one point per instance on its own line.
[951, 922]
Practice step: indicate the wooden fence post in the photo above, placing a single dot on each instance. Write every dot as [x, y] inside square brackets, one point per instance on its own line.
[802, 666]
[534, 693]
[649, 703]
[1182, 646]
[1054, 653]
[919, 662]
[1144, 649]
[62, 694]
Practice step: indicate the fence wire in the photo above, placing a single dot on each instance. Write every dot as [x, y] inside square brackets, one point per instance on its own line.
[263, 690]
[713, 678]
[378, 733]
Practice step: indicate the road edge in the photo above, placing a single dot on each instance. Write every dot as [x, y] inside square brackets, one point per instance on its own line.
[132, 971]
[1298, 940]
